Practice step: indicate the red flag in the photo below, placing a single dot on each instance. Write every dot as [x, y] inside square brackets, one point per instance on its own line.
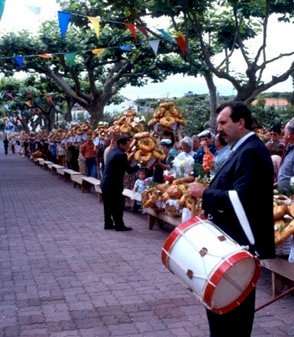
[132, 29]
[181, 41]
[143, 30]
[45, 56]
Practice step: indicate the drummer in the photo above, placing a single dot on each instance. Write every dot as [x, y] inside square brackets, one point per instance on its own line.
[248, 173]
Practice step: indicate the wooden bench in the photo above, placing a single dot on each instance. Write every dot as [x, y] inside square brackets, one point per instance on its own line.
[46, 164]
[39, 161]
[60, 172]
[282, 274]
[68, 173]
[54, 167]
[88, 183]
[77, 179]
[153, 215]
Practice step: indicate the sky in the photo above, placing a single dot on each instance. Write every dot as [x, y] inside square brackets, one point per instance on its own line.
[17, 15]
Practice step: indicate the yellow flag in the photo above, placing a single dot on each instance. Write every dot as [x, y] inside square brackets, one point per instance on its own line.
[96, 24]
[98, 51]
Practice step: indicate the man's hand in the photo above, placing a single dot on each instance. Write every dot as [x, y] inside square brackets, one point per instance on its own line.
[196, 189]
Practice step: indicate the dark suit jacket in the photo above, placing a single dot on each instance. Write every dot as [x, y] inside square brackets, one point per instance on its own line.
[116, 166]
[249, 172]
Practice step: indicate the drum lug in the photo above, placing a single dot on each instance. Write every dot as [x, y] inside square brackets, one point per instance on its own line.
[203, 251]
[221, 238]
[189, 273]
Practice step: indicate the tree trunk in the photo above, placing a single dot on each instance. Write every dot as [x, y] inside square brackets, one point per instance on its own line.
[213, 99]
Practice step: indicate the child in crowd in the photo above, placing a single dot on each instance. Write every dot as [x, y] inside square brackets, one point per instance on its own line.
[140, 186]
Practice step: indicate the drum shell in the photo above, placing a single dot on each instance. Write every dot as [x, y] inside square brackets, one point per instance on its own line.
[219, 271]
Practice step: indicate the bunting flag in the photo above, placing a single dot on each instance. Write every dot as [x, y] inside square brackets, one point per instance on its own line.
[166, 36]
[98, 51]
[9, 94]
[2, 6]
[45, 56]
[132, 29]
[96, 25]
[28, 103]
[126, 47]
[143, 30]
[34, 9]
[181, 41]
[63, 19]
[70, 58]
[154, 45]
[50, 99]
[19, 60]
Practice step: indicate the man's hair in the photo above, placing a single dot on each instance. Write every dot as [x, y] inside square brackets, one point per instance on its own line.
[238, 110]
[289, 127]
[123, 140]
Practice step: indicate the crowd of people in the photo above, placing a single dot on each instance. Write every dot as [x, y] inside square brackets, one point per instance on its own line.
[243, 170]
[184, 154]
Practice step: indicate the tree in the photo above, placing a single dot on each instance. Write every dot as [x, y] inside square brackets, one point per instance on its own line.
[214, 27]
[91, 81]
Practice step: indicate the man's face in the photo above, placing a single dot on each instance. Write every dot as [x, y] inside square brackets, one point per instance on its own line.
[229, 130]
[288, 137]
[125, 147]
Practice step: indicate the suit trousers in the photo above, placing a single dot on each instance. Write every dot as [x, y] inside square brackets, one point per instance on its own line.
[113, 203]
[237, 322]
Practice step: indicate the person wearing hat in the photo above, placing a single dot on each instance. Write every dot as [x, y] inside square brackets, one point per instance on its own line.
[112, 185]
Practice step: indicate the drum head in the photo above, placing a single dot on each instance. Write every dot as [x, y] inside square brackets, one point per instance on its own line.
[231, 282]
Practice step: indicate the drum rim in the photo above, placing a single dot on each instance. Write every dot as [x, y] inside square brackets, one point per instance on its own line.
[217, 276]
[174, 236]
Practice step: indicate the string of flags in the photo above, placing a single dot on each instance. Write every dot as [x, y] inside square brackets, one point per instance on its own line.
[2, 6]
[64, 19]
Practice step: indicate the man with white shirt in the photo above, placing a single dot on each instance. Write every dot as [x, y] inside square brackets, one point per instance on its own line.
[248, 176]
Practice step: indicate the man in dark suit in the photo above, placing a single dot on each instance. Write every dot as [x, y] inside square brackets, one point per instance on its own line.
[248, 174]
[112, 185]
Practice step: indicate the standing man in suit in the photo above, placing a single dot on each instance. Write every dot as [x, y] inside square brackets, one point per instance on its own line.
[248, 173]
[112, 185]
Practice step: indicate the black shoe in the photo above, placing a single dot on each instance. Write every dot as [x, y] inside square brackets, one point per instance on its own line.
[123, 229]
[109, 227]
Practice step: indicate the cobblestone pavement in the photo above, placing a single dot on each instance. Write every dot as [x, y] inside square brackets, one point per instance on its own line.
[62, 275]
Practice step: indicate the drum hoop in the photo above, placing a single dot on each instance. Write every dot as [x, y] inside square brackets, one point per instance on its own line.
[174, 236]
[217, 276]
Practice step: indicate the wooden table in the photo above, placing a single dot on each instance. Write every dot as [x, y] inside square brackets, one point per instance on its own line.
[282, 274]
[161, 215]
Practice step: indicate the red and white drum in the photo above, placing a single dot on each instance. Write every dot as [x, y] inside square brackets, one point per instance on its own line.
[218, 270]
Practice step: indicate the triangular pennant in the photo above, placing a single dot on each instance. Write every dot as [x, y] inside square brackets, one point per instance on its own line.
[96, 25]
[63, 19]
[154, 45]
[45, 56]
[28, 103]
[9, 94]
[19, 60]
[132, 29]
[126, 47]
[181, 42]
[2, 6]
[70, 58]
[34, 9]
[143, 30]
[166, 36]
[98, 51]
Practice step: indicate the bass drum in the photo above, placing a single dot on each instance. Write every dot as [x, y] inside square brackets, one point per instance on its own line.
[218, 270]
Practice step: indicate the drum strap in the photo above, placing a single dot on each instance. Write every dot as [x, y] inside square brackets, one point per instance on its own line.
[239, 210]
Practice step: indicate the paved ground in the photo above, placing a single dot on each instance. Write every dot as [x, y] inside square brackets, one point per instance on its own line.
[62, 275]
